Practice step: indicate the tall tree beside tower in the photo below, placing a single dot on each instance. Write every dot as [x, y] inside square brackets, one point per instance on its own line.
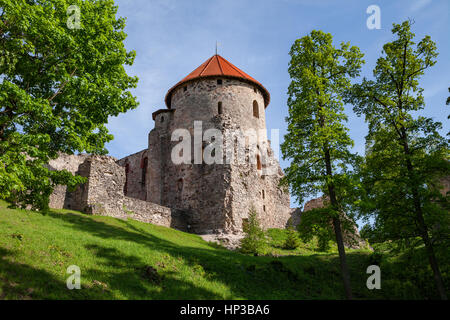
[405, 155]
[318, 142]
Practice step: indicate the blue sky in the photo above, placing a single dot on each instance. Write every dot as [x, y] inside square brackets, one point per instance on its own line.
[172, 38]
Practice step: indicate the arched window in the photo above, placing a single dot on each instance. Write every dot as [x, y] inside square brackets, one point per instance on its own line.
[180, 185]
[127, 170]
[219, 107]
[255, 109]
[144, 165]
[162, 118]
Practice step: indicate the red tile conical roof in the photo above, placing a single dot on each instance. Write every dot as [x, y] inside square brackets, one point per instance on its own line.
[214, 67]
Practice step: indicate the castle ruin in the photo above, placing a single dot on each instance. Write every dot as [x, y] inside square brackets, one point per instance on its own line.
[195, 196]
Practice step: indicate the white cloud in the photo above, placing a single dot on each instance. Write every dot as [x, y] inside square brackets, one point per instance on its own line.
[418, 5]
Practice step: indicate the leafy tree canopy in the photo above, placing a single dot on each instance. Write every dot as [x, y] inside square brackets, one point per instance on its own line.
[318, 143]
[406, 157]
[58, 86]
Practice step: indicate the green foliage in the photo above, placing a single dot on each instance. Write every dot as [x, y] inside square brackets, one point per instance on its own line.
[58, 86]
[320, 74]
[316, 223]
[405, 155]
[408, 269]
[318, 142]
[292, 241]
[254, 239]
[370, 234]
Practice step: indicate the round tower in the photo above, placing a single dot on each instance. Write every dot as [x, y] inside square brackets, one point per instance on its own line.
[219, 96]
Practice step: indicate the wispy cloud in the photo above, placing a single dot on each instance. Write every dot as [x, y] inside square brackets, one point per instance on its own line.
[418, 5]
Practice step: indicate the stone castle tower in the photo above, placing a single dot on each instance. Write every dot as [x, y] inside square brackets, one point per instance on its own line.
[214, 197]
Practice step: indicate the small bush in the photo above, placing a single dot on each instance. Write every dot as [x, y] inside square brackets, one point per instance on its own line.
[375, 258]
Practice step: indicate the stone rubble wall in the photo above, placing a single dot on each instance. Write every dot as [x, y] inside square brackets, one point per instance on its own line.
[445, 185]
[103, 194]
[60, 198]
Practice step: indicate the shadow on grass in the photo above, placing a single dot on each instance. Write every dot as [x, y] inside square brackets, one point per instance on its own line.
[248, 277]
[20, 281]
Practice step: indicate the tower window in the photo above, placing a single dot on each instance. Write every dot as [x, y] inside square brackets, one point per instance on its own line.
[162, 119]
[144, 171]
[255, 109]
[185, 88]
[125, 187]
[264, 208]
[180, 184]
[219, 107]
[258, 162]
[263, 194]
[219, 81]
[254, 89]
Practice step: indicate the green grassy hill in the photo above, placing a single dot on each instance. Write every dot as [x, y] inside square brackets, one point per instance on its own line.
[132, 260]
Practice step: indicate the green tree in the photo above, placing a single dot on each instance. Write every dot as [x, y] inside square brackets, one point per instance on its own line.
[254, 239]
[58, 86]
[317, 142]
[318, 223]
[291, 241]
[405, 155]
[448, 99]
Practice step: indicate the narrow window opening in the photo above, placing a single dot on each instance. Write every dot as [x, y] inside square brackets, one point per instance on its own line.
[254, 89]
[185, 88]
[125, 187]
[180, 184]
[255, 109]
[144, 171]
[264, 208]
[263, 194]
[203, 153]
[219, 81]
[219, 107]
[162, 119]
[258, 162]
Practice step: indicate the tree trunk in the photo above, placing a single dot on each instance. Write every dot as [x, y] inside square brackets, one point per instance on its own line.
[338, 232]
[428, 246]
[342, 258]
[423, 228]
[434, 266]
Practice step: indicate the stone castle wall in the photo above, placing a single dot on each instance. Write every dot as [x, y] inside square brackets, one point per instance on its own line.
[136, 182]
[103, 194]
[60, 198]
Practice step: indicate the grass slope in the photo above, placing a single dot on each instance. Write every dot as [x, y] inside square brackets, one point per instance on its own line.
[114, 256]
